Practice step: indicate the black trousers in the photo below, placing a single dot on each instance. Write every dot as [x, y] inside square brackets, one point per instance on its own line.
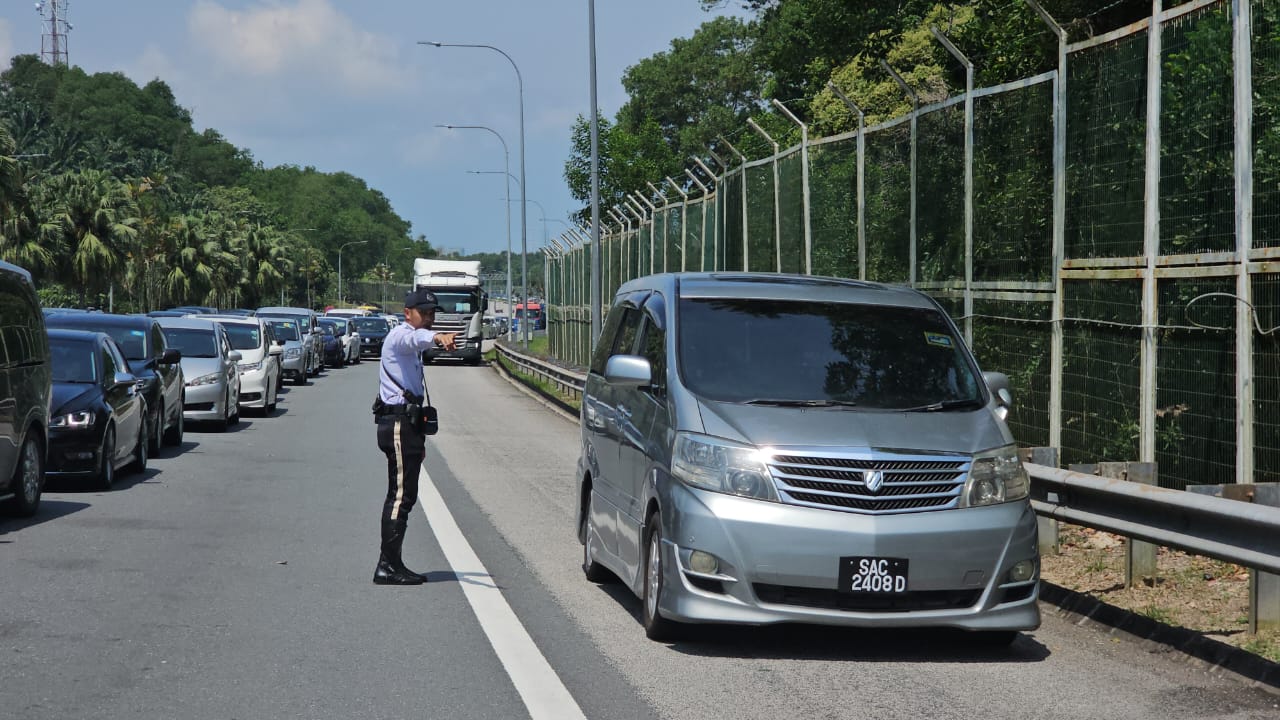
[405, 449]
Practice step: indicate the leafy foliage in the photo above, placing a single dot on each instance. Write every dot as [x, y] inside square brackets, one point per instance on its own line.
[107, 189]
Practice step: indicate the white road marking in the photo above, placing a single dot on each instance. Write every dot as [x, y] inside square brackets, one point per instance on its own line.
[539, 686]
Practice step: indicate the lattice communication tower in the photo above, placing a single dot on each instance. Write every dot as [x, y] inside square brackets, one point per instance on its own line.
[53, 40]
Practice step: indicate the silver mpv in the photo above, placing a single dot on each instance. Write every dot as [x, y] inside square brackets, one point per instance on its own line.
[770, 448]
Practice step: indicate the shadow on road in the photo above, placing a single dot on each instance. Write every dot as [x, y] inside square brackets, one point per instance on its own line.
[48, 510]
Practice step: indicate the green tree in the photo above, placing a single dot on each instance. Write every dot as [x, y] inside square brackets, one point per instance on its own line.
[94, 215]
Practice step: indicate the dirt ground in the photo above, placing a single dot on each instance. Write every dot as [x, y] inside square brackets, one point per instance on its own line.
[1197, 593]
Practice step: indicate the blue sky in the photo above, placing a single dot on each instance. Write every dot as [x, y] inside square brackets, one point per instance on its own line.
[342, 85]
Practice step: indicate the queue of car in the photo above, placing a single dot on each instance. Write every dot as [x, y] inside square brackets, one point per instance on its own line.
[98, 393]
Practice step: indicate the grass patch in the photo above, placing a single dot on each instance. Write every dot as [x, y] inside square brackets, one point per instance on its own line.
[545, 388]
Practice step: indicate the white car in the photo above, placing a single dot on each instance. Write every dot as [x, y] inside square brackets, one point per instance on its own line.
[346, 312]
[259, 364]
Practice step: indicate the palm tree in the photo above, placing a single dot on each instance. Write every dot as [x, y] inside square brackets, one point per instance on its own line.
[94, 214]
[20, 236]
[264, 260]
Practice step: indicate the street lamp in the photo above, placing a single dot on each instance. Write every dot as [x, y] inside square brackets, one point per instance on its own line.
[524, 275]
[344, 246]
[386, 264]
[506, 160]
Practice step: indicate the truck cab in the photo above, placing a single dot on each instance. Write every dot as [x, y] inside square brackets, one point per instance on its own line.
[462, 302]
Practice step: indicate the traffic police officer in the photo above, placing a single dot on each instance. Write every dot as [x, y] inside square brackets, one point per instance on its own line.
[400, 434]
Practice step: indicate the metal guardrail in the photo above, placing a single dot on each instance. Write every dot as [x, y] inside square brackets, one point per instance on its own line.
[569, 382]
[1228, 530]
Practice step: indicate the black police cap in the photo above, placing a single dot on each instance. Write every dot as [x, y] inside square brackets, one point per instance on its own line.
[421, 299]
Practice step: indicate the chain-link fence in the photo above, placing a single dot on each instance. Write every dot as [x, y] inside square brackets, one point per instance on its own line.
[1116, 253]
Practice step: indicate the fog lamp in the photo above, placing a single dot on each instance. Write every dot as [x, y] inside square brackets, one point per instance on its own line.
[1022, 571]
[702, 562]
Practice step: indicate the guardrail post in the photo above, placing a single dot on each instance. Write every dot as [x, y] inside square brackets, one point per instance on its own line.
[1139, 556]
[1264, 587]
[1048, 527]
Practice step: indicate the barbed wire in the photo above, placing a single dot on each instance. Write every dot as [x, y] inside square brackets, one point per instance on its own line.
[1253, 312]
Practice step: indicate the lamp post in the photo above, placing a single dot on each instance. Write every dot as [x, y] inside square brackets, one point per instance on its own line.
[506, 162]
[524, 277]
[386, 264]
[344, 246]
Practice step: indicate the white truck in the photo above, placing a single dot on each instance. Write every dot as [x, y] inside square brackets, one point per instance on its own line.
[457, 287]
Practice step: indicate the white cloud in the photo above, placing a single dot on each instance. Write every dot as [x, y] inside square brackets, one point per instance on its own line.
[305, 39]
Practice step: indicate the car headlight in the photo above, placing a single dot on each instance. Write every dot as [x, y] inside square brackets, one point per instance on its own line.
[250, 367]
[722, 466]
[997, 476]
[81, 420]
[210, 379]
[292, 353]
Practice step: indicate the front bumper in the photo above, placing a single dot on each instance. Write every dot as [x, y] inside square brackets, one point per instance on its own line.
[253, 389]
[74, 453]
[780, 563]
[205, 402]
[468, 349]
[370, 346]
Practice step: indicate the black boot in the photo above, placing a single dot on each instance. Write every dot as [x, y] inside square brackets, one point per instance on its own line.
[391, 569]
[386, 574]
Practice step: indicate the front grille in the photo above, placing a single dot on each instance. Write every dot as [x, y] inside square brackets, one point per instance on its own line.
[905, 483]
[834, 600]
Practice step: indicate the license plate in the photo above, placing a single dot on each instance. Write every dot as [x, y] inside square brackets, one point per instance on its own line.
[882, 576]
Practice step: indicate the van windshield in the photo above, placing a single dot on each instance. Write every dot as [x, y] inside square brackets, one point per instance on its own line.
[785, 351]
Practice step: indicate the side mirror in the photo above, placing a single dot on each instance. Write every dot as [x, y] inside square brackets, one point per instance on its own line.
[628, 371]
[170, 356]
[234, 356]
[123, 378]
[998, 383]
[276, 349]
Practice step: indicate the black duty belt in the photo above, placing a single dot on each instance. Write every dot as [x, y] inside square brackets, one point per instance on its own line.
[391, 410]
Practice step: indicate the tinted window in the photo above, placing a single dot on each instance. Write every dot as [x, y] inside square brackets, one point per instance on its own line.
[653, 346]
[604, 346]
[73, 361]
[455, 302]
[20, 324]
[286, 330]
[132, 341]
[335, 328]
[192, 343]
[372, 325]
[158, 344]
[872, 355]
[109, 365]
[117, 359]
[627, 332]
[244, 337]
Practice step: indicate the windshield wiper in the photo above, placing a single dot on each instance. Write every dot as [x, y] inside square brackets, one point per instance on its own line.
[802, 403]
[945, 405]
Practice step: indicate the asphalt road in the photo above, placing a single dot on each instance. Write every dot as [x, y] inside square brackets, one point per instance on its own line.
[232, 580]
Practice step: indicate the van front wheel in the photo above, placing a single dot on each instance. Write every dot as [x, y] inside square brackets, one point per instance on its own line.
[656, 627]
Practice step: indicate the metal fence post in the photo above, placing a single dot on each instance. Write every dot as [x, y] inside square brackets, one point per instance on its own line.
[684, 221]
[746, 249]
[968, 180]
[1150, 246]
[1056, 364]
[716, 225]
[777, 195]
[702, 245]
[1242, 52]
[858, 188]
[915, 116]
[666, 222]
[804, 185]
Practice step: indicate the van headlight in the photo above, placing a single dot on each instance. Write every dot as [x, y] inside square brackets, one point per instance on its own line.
[722, 466]
[997, 476]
